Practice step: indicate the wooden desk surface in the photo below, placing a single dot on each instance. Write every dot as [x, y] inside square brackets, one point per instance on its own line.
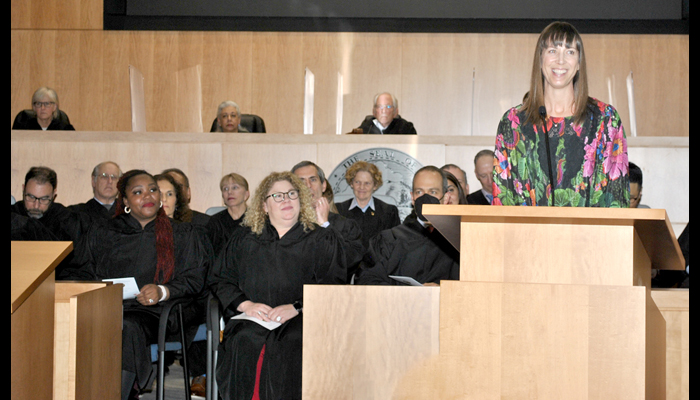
[31, 263]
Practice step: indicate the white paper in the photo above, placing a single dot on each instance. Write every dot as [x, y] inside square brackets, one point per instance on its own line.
[406, 279]
[308, 102]
[131, 289]
[269, 325]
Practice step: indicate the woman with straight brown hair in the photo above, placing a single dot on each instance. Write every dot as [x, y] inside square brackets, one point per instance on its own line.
[561, 147]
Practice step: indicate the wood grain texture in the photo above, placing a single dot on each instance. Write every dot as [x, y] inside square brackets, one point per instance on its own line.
[360, 340]
[447, 84]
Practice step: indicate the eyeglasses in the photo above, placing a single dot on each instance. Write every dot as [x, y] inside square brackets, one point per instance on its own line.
[107, 176]
[30, 198]
[279, 196]
[44, 104]
[388, 107]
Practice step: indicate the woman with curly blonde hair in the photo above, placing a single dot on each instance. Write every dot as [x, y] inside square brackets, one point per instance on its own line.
[258, 214]
[260, 275]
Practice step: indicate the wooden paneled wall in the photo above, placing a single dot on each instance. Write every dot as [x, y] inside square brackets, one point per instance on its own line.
[447, 84]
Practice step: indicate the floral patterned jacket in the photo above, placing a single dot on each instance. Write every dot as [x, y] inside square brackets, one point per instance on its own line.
[589, 161]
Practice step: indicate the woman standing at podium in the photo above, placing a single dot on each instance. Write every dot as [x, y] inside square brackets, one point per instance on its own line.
[167, 259]
[561, 147]
[260, 275]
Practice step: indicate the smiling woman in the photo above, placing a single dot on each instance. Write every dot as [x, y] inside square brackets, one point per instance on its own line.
[561, 147]
[261, 273]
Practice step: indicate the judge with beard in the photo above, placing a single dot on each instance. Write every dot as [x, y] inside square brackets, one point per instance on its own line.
[38, 202]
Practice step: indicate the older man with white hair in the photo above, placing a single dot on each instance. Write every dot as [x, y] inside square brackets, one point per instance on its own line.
[104, 189]
[385, 119]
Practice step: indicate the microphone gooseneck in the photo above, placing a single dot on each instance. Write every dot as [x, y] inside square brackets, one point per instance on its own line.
[543, 114]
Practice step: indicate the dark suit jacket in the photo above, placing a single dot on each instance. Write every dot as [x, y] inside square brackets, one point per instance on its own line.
[398, 126]
[478, 198]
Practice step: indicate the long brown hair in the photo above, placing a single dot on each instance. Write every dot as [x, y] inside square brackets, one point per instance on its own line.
[165, 249]
[557, 33]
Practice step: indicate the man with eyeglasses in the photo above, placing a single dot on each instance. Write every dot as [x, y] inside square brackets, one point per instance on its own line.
[315, 179]
[38, 202]
[413, 249]
[385, 118]
[104, 189]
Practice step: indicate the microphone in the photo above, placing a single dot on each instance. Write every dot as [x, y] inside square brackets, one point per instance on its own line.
[543, 114]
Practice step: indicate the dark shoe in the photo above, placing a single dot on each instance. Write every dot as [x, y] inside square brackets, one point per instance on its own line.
[199, 386]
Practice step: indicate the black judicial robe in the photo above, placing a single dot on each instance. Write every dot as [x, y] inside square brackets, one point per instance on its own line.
[95, 210]
[384, 216]
[271, 270]
[65, 224]
[30, 229]
[409, 250]
[220, 228]
[351, 235]
[122, 248]
[398, 126]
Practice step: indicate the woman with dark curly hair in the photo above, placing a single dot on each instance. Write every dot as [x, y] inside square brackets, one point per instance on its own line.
[167, 259]
[260, 275]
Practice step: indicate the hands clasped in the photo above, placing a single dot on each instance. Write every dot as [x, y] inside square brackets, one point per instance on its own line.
[266, 313]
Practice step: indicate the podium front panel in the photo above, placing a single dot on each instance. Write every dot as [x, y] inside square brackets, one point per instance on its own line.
[360, 340]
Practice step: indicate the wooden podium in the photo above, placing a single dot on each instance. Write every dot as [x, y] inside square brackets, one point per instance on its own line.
[66, 336]
[553, 303]
[32, 316]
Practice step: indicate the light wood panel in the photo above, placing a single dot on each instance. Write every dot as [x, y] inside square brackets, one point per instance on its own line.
[87, 334]
[431, 74]
[360, 340]
[513, 340]
[56, 14]
[674, 305]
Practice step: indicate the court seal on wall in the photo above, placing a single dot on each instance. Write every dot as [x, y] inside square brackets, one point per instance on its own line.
[397, 169]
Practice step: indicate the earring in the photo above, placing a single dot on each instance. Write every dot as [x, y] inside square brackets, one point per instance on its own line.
[127, 209]
[161, 204]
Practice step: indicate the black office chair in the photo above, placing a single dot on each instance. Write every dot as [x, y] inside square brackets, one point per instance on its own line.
[252, 122]
[213, 340]
[162, 348]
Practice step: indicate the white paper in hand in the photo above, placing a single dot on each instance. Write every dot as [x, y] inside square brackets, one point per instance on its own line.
[131, 289]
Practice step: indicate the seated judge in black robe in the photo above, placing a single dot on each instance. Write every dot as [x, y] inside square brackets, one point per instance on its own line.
[370, 213]
[261, 273]
[166, 258]
[385, 118]
[413, 249]
[44, 115]
[235, 193]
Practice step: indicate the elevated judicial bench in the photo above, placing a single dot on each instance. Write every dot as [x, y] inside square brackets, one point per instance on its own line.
[65, 336]
[553, 303]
